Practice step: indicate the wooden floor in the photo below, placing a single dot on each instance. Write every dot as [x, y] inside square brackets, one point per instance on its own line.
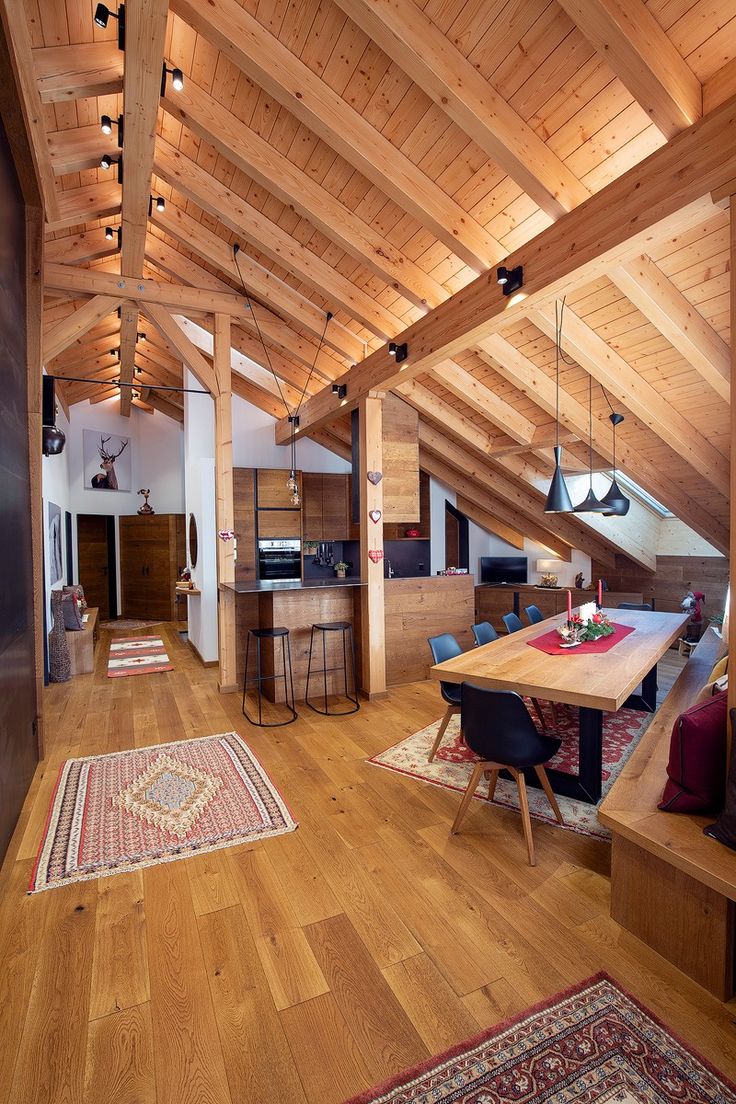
[309, 966]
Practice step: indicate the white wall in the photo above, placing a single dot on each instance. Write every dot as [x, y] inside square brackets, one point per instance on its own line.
[254, 445]
[55, 488]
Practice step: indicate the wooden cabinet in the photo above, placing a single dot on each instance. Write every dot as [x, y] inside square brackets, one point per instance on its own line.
[244, 504]
[325, 506]
[273, 494]
[151, 557]
[279, 524]
[397, 530]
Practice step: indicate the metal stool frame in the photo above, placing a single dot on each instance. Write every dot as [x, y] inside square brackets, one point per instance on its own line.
[344, 628]
[260, 678]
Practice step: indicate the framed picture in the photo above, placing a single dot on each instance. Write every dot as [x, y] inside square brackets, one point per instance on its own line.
[107, 461]
[56, 566]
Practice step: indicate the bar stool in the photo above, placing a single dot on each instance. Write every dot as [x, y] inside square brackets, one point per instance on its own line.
[259, 678]
[345, 628]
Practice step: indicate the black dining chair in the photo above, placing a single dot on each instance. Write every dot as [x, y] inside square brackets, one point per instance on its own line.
[534, 614]
[512, 622]
[636, 606]
[484, 633]
[498, 728]
[443, 647]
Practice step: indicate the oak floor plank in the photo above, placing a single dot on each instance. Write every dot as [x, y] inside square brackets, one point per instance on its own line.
[212, 881]
[329, 1061]
[266, 902]
[120, 962]
[311, 896]
[120, 1058]
[291, 969]
[438, 1014]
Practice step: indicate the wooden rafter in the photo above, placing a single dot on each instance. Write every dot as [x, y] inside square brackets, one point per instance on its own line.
[482, 399]
[176, 337]
[76, 72]
[490, 523]
[77, 206]
[71, 328]
[89, 245]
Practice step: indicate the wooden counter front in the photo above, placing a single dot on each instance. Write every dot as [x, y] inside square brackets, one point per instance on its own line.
[417, 609]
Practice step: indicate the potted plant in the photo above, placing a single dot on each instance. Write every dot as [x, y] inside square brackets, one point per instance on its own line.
[340, 569]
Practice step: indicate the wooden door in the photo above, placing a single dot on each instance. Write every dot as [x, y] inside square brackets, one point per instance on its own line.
[312, 518]
[148, 565]
[335, 507]
[94, 559]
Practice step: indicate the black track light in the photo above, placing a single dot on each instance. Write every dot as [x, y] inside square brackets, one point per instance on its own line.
[177, 79]
[510, 279]
[102, 15]
[140, 336]
[340, 389]
[106, 125]
[401, 352]
[115, 352]
[160, 203]
[112, 232]
[107, 162]
[109, 232]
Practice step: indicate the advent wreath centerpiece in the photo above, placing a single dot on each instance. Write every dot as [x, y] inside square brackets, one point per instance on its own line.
[589, 623]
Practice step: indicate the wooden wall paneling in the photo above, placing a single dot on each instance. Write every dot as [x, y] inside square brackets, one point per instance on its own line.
[312, 514]
[373, 630]
[225, 512]
[397, 530]
[671, 579]
[400, 461]
[335, 506]
[416, 609]
[244, 508]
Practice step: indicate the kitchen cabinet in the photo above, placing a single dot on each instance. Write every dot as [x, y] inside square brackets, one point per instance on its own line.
[273, 494]
[325, 506]
[152, 555]
[397, 530]
[244, 503]
[279, 524]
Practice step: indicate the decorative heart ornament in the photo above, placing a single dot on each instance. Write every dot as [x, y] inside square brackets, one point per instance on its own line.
[376, 554]
[375, 478]
[375, 516]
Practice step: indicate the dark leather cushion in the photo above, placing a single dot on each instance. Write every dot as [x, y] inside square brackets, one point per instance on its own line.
[72, 612]
[697, 766]
[724, 829]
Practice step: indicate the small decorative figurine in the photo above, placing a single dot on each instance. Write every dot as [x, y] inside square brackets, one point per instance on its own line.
[145, 508]
[579, 581]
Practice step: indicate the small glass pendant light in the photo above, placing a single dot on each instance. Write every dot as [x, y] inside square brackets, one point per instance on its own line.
[590, 504]
[615, 501]
[558, 497]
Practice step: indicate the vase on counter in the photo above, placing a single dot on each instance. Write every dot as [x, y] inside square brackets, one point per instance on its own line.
[60, 667]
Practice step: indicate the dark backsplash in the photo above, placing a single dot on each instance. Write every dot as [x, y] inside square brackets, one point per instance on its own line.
[408, 558]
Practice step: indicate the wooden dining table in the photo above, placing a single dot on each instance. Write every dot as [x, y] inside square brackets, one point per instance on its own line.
[597, 683]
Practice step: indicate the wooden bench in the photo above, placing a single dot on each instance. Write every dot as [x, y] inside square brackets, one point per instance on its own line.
[672, 886]
[82, 643]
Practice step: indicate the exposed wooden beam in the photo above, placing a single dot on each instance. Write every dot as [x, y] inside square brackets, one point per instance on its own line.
[77, 206]
[257, 396]
[669, 189]
[480, 398]
[641, 54]
[68, 330]
[260, 282]
[334, 444]
[80, 148]
[532, 381]
[175, 336]
[245, 149]
[647, 287]
[489, 523]
[424, 400]
[164, 406]
[720, 87]
[247, 221]
[610, 369]
[224, 507]
[427, 54]
[79, 71]
[247, 43]
[89, 245]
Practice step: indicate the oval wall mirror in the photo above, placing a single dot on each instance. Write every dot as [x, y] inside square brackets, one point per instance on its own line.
[193, 549]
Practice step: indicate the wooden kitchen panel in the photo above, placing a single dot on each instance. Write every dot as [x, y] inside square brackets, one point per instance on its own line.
[417, 609]
[279, 524]
[244, 504]
[273, 494]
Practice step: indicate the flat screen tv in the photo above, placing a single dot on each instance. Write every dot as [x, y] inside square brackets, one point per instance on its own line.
[503, 569]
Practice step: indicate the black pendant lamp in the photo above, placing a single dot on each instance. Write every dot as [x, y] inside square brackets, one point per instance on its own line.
[590, 504]
[615, 501]
[558, 498]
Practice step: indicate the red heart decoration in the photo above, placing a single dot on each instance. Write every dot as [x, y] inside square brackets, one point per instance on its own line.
[375, 515]
[375, 554]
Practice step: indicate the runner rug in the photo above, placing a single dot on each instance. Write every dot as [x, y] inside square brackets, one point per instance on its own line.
[123, 624]
[453, 763]
[114, 813]
[592, 1044]
[137, 655]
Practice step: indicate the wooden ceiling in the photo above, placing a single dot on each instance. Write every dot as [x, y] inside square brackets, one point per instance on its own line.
[372, 158]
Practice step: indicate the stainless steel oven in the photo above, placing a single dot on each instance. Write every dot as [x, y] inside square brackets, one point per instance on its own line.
[279, 559]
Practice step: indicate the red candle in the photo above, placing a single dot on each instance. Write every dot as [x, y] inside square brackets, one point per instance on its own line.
[600, 592]
[569, 606]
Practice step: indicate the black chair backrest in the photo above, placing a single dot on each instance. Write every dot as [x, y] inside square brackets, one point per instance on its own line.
[512, 622]
[534, 614]
[484, 633]
[497, 726]
[443, 647]
[635, 605]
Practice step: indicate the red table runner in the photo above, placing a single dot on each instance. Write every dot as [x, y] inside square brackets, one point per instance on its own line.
[549, 642]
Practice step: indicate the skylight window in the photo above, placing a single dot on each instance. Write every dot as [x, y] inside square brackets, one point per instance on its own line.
[648, 500]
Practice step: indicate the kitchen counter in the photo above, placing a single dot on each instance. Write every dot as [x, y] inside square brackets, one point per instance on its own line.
[277, 586]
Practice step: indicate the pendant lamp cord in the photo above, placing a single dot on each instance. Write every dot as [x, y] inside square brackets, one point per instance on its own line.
[236, 250]
[590, 428]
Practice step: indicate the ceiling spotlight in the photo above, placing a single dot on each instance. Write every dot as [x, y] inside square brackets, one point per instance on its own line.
[106, 125]
[109, 232]
[115, 352]
[401, 352]
[510, 279]
[177, 79]
[107, 162]
[340, 389]
[159, 201]
[140, 337]
[102, 15]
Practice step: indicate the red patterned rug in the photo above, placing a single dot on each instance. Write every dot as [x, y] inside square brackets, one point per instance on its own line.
[114, 813]
[137, 655]
[594, 1044]
[452, 764]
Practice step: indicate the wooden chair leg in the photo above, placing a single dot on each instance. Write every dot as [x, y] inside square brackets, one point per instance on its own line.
[526, 819]
[492, 780]
[472, 785]
[542, 776]
[540, 714]
[451, 711]
[555, 719]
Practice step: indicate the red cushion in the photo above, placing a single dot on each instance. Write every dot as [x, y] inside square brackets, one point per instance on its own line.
[697, 767]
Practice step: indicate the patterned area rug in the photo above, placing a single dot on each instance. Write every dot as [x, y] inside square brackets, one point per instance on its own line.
[137, 655]
[594, 1044]
[123, 624]
[453, 764]
[114, 813]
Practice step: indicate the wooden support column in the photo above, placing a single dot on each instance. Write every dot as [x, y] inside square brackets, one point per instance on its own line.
[732, 546]
[372, 621]
[224, 509]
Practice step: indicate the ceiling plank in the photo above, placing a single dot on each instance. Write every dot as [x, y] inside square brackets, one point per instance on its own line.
[647, 287]
[424, 400]
[246, 43]
[610, 369]
[489, 523]
[261, 283]
[410, 38]
[77, 206]
[89, 245]
[66, 332]
[668, 189]
[80, 148]
[643, 57]
[145, 33]
[245, 220]
[523, 373]
[245, 149]
[175, 336]
[79, 71]
[720, 87]
[480, 398]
